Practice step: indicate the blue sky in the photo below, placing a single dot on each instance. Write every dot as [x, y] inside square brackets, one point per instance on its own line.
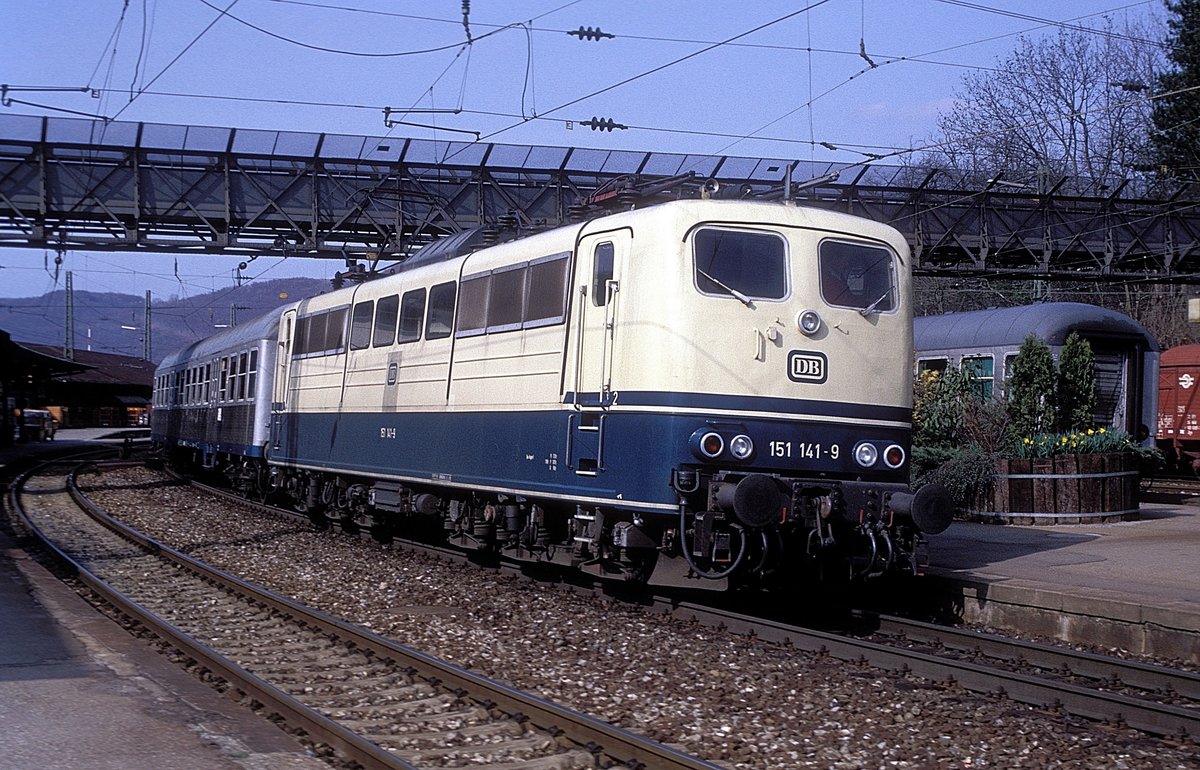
[682, 75]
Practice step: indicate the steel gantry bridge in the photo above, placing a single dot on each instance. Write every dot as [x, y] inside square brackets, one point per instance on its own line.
[81, 184]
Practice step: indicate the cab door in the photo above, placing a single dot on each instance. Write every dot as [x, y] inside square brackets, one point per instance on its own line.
[283, 399]
[598, 294]
[602, 258]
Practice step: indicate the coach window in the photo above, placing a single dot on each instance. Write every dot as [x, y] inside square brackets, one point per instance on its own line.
[857, 275]
[253, 373]
[602, 272]
[208, 368]
[233, 378]
[223, 389]
[1009, 358]
[741, 264]
[982, 372]
[360, 325]
[935, 365]
[412, 311]
[385, 321]
[242, 371]
[439, 321]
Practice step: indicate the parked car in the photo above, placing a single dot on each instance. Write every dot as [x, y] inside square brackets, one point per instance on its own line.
[37, 425]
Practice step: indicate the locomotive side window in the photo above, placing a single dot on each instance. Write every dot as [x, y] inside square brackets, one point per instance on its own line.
[360, 325]
[523, 296]
[506, 300]
[857, 275]
[473, 305]
[412, 310]
[335, 333]
[546, 299]
[314, 341]
[602, 273]
[322, 333]
[741, 264]
[385, 321]
[440, 320]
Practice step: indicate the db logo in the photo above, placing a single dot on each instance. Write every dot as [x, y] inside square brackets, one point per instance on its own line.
[807, 366]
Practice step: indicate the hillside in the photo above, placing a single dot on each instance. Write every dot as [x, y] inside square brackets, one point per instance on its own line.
[99, 317]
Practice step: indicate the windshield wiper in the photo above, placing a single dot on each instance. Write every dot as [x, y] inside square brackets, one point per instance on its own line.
[869, 309]
[732, 292]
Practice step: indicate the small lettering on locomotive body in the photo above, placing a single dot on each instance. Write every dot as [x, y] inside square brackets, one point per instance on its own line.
[387, 433]
[807, 366]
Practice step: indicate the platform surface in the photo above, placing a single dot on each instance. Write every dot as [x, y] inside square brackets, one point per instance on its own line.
[1155, 560]
[78, 691]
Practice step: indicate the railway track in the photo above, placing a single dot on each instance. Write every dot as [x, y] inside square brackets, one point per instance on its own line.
[1171, 489]
[1155, 699]
[373, 702]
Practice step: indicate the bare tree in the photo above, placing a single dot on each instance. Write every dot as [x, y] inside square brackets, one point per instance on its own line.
[1072, 104]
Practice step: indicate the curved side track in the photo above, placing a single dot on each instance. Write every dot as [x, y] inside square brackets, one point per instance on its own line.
[375, 702]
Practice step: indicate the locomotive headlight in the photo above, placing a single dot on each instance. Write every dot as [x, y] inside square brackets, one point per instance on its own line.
[741, 447]
[866, 454]
[711, 444]
[893, 456]
[809, 322]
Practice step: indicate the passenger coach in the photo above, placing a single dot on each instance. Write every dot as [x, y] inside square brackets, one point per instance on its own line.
[987, 341]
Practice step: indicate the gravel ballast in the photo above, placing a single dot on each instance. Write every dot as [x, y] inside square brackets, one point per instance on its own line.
[736, 701]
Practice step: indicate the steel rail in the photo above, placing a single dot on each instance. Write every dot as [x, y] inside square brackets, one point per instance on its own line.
[318, 727]
[1078, 662]
[617, 745]
[1151, 717]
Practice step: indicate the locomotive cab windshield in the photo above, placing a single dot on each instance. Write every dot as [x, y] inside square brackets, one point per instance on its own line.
[857, 275]
[744, 264]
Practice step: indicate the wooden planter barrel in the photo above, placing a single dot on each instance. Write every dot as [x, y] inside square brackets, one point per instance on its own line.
[1067, 489]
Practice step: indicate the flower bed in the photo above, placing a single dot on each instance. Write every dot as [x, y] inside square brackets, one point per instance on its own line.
[1073, 478]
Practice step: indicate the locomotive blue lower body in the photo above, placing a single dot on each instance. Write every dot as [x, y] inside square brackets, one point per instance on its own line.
[623, 490]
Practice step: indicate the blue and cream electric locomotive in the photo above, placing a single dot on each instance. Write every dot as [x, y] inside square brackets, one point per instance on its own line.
[690, 393]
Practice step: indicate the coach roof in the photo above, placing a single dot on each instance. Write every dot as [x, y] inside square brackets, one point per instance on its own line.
[1050, 322]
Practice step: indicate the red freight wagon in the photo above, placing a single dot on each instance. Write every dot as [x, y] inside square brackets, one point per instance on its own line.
[1179, 405]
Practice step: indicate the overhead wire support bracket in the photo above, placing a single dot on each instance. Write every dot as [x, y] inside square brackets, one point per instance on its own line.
[390, 122]
[7, 101]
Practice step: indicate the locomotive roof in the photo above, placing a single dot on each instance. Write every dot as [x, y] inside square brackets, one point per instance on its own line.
[241, 336]
[1051, 322]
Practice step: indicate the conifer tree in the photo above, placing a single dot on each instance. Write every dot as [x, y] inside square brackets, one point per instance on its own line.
[1176, 113]
[1076, 385]
[1031, 383]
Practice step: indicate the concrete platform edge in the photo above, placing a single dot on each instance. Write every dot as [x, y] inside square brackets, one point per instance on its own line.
[1169, 630]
